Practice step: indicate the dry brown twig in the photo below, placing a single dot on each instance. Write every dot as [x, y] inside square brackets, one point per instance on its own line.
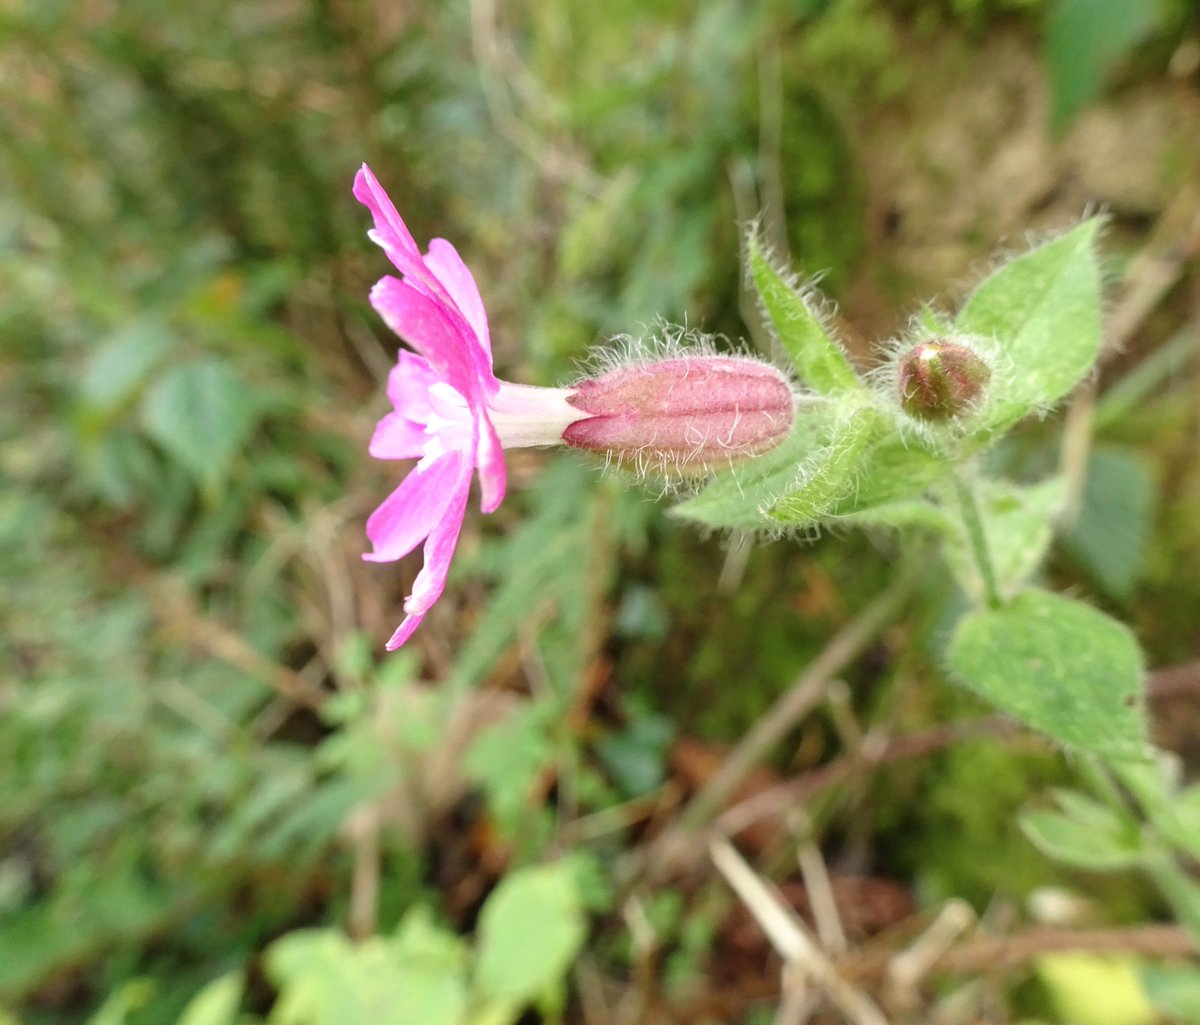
[789, 936]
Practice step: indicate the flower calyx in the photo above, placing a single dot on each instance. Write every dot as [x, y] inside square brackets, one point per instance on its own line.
[683, 416]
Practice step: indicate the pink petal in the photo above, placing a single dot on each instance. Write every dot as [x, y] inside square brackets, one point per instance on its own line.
[404, 631]
[392, 234]
[401, 434]
[408, 385]
[397, 437]
[417, 506]
[493, 475]
[428, 326]
[444, 261]
[439, 550]
[431, 581]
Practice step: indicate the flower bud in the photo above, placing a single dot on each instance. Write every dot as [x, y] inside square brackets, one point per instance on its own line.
[684, 415]
[939, 380]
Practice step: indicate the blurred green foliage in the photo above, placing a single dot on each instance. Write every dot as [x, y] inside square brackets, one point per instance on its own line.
[207, 769]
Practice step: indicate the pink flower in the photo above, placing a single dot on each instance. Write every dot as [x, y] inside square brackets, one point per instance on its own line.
[685, 415]
[450, 411]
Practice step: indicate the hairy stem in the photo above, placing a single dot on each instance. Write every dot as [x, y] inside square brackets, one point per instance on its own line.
[973, 524]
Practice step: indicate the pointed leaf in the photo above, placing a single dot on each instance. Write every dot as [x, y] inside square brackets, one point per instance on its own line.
[1060, 666]
[829, 474]
[741, 497]
[818, 358]
[1042, 310]
[1083, 40]
[893, 471]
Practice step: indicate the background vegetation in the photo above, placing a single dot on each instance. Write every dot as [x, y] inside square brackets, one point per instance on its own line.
[210, 773]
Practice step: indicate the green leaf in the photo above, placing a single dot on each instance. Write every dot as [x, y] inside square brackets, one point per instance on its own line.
[1173, 813]
[1094, 989]
[124, 1002]
[217, 1003]
[1182, 825]
[202, 413]
[818, 359]
[1174, 990]
[894, 470]
[416, 978]
[742, 497]
[1085, 834]
[1182, 892]
[121, 362]
[507, 758]
[530, 931]
[830, 473]
[1060, 666]
[1042, 310]
[1109, 536]
[1083, 40]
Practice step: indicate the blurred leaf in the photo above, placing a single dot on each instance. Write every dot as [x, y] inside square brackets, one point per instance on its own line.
[127, 1000]
[1109, 536]
[1095, 989]
[1084, 834]
[1181, 823]
[121, 362]
[531, 928]
[507, 758]
[1084, 38]
[202, 413]
[1060, 666]
[1173, 990]
[1181, 890]
[1042, 310]
[217, 1003]
[637, 756]
[818, 359]
[416, 979]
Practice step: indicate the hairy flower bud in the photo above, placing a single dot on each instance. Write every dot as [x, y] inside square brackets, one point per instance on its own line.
[684, 415]
[939, 380]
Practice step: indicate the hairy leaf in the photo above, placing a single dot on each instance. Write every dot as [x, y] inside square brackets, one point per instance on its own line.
[1042, 310]
[1060, 666]
[818, 358]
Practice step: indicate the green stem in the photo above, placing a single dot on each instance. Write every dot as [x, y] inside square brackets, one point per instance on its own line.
[973, 523]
